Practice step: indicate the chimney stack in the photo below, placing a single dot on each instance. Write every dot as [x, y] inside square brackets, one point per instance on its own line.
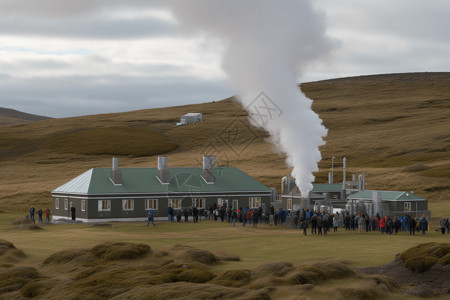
[115, 175]
[163, 172]
[344, 169]
[208, 169]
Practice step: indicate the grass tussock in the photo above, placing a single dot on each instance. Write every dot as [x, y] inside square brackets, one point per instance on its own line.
[120, 250]
[187, 291]
[20, 221]
[188, 253]
[117, 140]
[31, 289]
[422, 257]
[233, 278]
[14, 279]
[9, 252]
[78, 256]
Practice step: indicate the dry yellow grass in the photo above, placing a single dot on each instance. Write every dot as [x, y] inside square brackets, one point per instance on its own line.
[383, 124]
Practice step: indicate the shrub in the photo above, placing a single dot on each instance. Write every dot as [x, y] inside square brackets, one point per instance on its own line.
[120, 250]
[421, 257]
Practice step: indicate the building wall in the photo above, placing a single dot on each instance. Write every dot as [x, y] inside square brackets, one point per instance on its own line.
[71, 201]
[117, 211]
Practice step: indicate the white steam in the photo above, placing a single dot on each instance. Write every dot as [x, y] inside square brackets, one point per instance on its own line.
[268, 43]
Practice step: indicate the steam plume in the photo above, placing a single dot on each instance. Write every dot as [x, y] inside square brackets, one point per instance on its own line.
[268, 43]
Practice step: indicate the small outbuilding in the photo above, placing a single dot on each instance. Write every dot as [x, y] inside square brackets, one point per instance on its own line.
[126, 194]
[190, 118]
[392, 203]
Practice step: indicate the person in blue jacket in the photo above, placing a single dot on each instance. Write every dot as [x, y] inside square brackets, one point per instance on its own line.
[151, 218]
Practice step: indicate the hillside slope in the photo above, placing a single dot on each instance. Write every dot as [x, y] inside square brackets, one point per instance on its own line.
[395, 127]
[12, 116]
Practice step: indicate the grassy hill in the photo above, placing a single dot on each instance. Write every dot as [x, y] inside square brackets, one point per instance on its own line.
[11, 116]
[395, 127]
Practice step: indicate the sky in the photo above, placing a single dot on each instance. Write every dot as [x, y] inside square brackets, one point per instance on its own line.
[70, 58]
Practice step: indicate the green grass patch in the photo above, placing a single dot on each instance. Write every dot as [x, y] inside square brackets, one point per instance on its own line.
[422, 257]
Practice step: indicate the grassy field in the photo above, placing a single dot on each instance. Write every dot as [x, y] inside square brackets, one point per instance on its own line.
[261, 250]
[255, 246]
[395, 127]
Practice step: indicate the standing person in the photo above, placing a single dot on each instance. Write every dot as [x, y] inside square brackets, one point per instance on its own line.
[195, 214]
[233, 216]
[319, 225]
[179, 216]
[382, 225]
[32, 210]
[47, 215]
[275, 219]
[443, 225]
[367, 222]
[255, 218]
[412, 226]
[397, 225]
[423, 224]
[150, 218]
[335, 223]
[186, 215]
[314, 224]
[40, 215]
[72, 210]
[448, 226]
[304, 222]
[169, 213]
[389, 225]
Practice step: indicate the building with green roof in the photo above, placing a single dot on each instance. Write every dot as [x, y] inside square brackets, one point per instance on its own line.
[113, 194]
[392, 203]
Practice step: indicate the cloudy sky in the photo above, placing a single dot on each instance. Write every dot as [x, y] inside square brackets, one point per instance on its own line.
[68, 58]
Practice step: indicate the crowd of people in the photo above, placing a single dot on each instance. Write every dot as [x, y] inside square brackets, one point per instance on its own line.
[319, 223]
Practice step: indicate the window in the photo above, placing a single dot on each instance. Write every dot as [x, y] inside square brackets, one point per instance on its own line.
[56, 203]
[104, 205]
[175, 203]
[151, 204]
[235, 204]
[83, 205]
[254, 202]
[289, 204]
[128, 204]
[198, 202]
[407, 206]
[66, 204]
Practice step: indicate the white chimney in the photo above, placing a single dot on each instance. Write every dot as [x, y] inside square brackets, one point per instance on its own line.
[115, 164]
[163, 172]
[162, 162]
[208, 169]
[115, 175]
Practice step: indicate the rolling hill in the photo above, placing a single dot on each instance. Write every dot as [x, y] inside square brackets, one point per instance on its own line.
[396, 127]
[11, 116]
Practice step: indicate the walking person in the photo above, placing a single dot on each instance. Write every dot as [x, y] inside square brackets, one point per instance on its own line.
[150, 218]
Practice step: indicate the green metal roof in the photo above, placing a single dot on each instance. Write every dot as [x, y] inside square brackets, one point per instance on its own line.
[386, 195]
[144, 180]
[325, 187]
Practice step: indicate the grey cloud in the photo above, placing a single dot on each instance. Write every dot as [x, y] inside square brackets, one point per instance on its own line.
[90, 27]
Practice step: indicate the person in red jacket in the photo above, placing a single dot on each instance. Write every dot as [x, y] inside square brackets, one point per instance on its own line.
[382, 225]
